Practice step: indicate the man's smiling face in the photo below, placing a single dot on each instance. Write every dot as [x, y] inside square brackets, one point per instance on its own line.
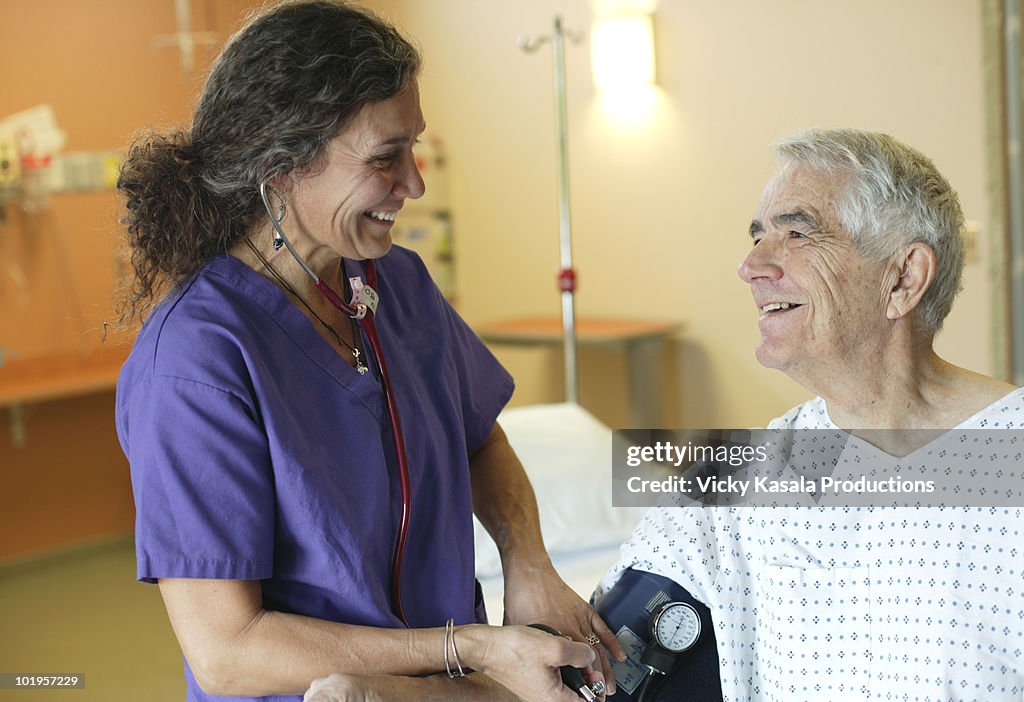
[820, 301]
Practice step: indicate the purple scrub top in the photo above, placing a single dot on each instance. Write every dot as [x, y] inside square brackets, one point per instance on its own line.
[258, 453]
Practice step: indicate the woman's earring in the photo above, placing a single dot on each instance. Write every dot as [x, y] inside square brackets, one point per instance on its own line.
[282, 210]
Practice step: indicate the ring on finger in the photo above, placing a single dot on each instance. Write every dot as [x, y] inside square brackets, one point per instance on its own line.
[592, 639]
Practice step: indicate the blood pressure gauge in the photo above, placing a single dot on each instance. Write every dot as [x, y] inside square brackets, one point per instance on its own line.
[675, 626]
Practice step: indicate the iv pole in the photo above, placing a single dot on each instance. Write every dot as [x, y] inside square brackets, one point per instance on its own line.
[1014, 121]
[566, 276]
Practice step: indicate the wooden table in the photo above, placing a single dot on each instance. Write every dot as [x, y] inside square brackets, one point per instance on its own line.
[642, 341]
[24, 381]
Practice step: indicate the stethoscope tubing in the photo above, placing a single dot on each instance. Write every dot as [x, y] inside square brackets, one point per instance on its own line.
[370, 329]
[365, 319]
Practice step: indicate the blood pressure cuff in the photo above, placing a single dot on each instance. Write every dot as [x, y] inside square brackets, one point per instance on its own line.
[627, 608]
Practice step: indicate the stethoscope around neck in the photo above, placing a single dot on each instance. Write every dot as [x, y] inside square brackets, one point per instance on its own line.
[362, 308]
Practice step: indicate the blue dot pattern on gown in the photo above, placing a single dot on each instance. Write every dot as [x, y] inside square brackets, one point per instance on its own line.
[853, 603]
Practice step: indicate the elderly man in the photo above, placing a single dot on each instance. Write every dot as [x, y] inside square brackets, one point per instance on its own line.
[856, 258]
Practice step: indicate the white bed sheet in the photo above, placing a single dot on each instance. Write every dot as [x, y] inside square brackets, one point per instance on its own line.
[581, 571]
[567, 455]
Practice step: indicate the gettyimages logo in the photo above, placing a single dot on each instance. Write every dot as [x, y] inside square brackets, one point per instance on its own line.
[817, 467]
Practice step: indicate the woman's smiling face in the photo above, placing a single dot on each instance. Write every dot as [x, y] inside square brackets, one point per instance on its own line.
[348, 200]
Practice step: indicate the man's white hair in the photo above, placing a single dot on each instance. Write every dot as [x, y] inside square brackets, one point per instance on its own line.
[894, 196]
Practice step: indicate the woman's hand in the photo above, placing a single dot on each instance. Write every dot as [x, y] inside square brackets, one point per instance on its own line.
[538, 594]
[525, 661]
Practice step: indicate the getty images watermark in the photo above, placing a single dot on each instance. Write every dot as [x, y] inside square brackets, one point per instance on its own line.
[818, 467]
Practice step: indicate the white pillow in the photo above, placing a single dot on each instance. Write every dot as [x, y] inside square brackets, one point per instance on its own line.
[567, 454]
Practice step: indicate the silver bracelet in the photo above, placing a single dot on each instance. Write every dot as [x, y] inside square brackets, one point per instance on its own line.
[449, 644]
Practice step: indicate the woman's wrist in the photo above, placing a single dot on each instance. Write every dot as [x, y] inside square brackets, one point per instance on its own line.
[474, 641]
[525, 561]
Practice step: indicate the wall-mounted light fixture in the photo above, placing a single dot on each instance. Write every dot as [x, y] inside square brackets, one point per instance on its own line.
[622, 50]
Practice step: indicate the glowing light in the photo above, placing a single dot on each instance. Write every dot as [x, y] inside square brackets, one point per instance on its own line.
[622, 51]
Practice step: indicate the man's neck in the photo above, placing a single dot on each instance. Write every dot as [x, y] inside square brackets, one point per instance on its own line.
[908, 391]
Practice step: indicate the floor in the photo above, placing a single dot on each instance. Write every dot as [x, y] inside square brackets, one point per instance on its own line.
[84, 612]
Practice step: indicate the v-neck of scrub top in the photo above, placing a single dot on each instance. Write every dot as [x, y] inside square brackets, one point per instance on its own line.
[300, 329]
[972, 422]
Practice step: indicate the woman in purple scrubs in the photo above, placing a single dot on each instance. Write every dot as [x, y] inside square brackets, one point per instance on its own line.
[252, 410]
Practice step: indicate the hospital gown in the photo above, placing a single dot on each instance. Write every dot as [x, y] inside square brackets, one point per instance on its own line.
[853, 603]
[258, 453]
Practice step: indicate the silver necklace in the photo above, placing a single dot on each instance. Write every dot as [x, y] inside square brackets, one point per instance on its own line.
[361, 367]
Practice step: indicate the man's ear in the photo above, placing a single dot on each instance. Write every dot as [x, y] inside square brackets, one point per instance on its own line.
[916, 265]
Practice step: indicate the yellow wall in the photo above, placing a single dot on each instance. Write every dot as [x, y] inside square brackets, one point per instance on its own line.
[661, 207]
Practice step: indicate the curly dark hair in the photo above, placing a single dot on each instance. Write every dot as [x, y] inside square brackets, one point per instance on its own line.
[283, 87]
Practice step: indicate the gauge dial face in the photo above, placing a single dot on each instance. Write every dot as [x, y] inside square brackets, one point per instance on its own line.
[676, 626]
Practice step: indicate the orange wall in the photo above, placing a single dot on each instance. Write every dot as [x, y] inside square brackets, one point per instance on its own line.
[69, 484]
[96, 65]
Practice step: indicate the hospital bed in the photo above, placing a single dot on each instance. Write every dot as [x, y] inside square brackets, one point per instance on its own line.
[567, 454]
